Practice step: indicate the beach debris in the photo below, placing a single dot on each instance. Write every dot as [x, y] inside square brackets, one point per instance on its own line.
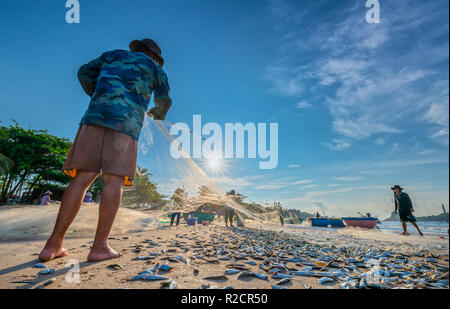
[139, 277]
[196, 272]
[50, 281]
[165, 268]
[281, 276]
[115, 267]
[247, 274]
[154, 278]
[325, 280]
[144, 258]
[47, 271]
[232, 271]
[284, 281]
[217, 277]
[278, 287]
[205, 286]
[40, 265]
[171, 284]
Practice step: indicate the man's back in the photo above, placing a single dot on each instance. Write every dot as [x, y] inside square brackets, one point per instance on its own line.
[120, 84]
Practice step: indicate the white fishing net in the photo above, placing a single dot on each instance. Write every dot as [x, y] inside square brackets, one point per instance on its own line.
[184, 181]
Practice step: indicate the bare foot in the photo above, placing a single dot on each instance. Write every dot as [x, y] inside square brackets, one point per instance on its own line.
[405, 234]
[50, 253]
[102, 254]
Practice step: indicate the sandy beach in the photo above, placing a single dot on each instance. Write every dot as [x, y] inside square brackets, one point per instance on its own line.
[198, 252]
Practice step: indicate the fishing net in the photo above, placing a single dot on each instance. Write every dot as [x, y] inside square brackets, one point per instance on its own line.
[183, 181]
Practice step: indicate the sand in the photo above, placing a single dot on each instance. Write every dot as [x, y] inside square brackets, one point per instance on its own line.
[24, 229]
[36, 222]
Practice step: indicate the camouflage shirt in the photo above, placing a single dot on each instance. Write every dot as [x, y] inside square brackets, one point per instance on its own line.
[120, 84]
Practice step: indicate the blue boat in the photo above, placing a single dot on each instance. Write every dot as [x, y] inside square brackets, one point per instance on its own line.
[335, 222]
[325, 222]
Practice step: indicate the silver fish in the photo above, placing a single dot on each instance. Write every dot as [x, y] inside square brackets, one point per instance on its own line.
[325, 280]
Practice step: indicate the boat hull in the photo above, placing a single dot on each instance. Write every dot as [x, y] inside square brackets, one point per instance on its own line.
[367, 223]
[325, 222]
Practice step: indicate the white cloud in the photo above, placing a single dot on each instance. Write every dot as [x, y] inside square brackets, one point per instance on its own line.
[395, 148]
[308, 187]
[347, 178]
[374, 78]
[380, 141]
[303, 104]
[338, 144]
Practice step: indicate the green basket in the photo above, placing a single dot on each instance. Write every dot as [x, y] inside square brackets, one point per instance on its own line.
[200, 216]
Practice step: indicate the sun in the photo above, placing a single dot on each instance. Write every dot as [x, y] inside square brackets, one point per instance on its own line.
[214, 163]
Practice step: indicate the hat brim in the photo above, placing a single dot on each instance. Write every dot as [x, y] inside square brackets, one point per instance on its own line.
[138, 44]
[400, 188]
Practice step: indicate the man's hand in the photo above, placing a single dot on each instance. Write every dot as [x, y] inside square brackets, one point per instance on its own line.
[396, 212]
[160, 110]
[412, 209]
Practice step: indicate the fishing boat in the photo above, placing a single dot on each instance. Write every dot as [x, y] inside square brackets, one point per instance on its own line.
[368, 223]
[325, 222]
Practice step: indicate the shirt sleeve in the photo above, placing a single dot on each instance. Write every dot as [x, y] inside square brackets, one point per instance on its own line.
[88, 75]
[162, 89]
[162, 99]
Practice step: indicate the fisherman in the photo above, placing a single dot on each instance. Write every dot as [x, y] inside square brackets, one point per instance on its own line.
[178, 198]
[229, 214]
[120, 84]
[404, 207]
[46, 199]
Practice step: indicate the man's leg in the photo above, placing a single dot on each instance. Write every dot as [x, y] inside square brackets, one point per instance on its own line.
[404, 228]
[109, 204]
[417, 227]
[70, 205]
[226, 218]
[178, 218]
[172, 218]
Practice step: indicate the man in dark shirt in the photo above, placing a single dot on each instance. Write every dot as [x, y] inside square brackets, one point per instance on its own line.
[404, 207]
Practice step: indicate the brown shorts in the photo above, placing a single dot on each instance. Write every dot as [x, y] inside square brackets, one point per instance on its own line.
[102, 150]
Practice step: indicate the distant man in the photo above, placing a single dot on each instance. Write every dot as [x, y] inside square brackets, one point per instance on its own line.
[88, 198]
[46, 199]
[404, 207]
[120, 84]
[229, 214]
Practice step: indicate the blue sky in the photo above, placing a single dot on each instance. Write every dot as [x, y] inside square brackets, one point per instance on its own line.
[360, 106]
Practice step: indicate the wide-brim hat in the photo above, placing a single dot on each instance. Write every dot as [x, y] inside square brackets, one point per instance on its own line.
[48, 193]
[397, 187]
[89, 194]
[150, 45]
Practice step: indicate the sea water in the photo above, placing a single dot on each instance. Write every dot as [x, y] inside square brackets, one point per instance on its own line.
[427, 227]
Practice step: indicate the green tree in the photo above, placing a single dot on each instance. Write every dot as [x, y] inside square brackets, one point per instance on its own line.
[143, 191]
[38, 158]
[5, 164]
